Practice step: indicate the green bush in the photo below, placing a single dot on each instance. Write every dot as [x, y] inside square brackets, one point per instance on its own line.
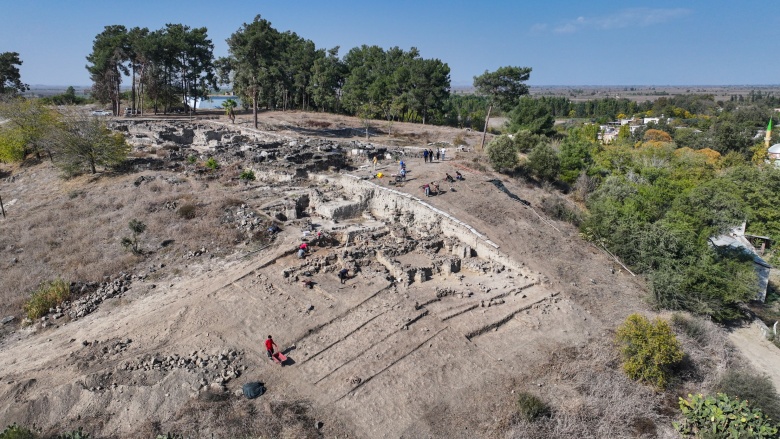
[758, 390]
[212, 163]
[16, 432]
[49, 295]
[722, 417]
[502, 154]
[531, 407]
[191, 159]
[649, 350]
[543, 162]
[247, 175]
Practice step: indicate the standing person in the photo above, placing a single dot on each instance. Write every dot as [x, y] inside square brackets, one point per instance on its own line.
[437, 154]
[425, 155]
[443, 151]
[269, 347]
[375, 160]
[427, 189]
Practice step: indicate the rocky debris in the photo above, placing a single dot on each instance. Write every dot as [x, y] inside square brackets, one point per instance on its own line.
[109, 347]
[7, 320]
[243, 217]
[215, 369]
[194, 254]
[89, 302]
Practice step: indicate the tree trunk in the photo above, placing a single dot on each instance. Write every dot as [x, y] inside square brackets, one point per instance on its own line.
[484, 132]
[254, 110]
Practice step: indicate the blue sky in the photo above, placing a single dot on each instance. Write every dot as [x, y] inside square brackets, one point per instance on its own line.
[571, 42]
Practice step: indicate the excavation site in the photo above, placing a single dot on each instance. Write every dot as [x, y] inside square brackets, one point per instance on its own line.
[400, 313]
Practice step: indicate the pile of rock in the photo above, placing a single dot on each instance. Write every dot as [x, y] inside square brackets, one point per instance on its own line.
[87, 304]
[214, 369]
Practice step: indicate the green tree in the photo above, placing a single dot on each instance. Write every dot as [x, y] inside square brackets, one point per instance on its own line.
[252, 62]
[649, 350]
[10, 79]
[532, 115]
[504, 87]
[429, 86]
[502, 153]
[28, 129]
[84, 143]
[327, 80]
[109, 52]
[574, 157]
[543, 162]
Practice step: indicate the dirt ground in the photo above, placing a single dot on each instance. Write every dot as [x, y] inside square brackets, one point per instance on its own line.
[428, 338]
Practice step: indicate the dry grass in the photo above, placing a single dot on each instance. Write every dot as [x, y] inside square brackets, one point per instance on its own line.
[225, 415]
[72, 229]
[603, 402]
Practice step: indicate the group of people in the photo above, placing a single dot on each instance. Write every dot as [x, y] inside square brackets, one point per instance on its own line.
[458, 176]
[429, 155]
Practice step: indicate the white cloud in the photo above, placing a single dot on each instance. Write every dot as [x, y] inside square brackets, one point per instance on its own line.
[635, 17]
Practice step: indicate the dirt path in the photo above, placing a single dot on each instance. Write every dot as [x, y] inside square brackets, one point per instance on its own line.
[762, 354]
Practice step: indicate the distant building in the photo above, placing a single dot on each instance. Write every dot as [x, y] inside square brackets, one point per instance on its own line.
[773, 153]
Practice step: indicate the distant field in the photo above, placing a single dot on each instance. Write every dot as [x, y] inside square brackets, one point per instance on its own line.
[641, 93]
[650, 93]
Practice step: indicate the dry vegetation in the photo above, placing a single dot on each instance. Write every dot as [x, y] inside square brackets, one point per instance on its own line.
[72, 230]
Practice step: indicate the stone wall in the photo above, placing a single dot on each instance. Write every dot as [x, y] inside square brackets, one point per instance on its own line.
[390, 204]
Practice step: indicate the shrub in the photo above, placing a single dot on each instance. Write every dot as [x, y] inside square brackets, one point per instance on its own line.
[49, 295]
[543, 162]
[75, 434]
[459, 140]
[191, 159]
[557, 208]
[136, 227]
[16, 432]
[649, 350]
[722, 417]
[212, 163]
[531, 407]
[757, 390]
[187, 211]
[693, 328]
[502, 154]
[247, 175]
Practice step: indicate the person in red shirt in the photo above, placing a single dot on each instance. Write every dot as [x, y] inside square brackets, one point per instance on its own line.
[269, 347]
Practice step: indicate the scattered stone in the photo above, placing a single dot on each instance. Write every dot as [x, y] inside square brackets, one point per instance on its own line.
[7, 320]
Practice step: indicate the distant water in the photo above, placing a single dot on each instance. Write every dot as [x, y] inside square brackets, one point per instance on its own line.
[215, 101]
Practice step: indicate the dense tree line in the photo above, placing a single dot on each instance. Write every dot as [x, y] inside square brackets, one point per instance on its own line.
[268, 69]
[168, 66]
[656, 197]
